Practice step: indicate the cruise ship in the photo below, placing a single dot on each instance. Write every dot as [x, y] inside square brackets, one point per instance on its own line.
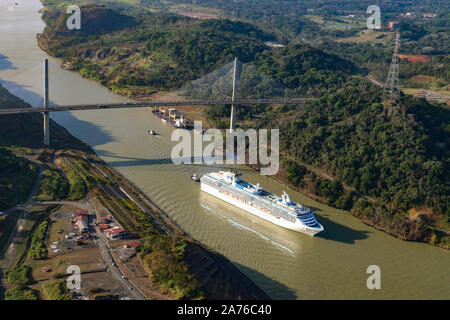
[281, 211]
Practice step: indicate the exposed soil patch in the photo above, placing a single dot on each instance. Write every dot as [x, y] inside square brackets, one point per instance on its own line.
[413, 58]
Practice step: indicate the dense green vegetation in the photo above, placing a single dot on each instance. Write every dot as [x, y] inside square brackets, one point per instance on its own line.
[53, 186]
[57, 290]
[16, 179]
[436, 72]
[101, 294]
[163, 52]
[288, 19]
[20, 293]
[77, 185]
[38, 248]
[21, 275]
[163, 256]
[7, 227]
[331, 190]
[305, 69]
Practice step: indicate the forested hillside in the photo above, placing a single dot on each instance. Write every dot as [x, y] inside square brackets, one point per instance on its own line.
[305, 69]
[17, 175]
[392, 157]
[165, 52]
[162, 52]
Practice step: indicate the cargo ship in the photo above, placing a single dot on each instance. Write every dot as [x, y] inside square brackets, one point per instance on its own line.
[229, 186]
[172, 117]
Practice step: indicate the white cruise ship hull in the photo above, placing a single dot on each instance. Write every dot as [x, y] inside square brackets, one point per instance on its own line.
[295, 226]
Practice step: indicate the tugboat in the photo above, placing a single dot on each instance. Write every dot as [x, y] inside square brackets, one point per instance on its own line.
[195, 177]
[153, 133]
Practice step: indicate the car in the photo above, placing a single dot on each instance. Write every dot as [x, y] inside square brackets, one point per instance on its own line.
[123, 277]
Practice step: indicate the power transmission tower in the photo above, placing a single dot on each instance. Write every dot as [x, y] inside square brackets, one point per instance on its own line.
[391, 84]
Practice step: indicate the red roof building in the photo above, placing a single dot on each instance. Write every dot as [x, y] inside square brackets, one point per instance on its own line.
[82, 218]
[132, 244]
[103, 226]
[82, 212]
[102, 219]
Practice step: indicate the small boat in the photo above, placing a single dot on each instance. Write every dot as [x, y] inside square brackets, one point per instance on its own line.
[153, 133]
[195, 177]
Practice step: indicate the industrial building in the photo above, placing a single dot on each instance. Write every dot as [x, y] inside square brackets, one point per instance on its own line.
[82, 226]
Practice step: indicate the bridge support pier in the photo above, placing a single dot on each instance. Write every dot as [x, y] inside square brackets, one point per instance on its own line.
[236, 74]
[46, 113]
[47, 128]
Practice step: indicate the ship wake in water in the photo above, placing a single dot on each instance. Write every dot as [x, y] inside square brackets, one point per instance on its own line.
[229, 186]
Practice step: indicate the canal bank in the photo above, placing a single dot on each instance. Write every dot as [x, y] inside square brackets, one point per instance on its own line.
[283, 263]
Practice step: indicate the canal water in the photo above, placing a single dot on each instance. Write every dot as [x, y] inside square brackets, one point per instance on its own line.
[287, 265]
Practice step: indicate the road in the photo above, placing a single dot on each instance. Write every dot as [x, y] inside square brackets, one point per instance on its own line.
[436, 96]
[375, 82]
[429, 95]
[114, 269]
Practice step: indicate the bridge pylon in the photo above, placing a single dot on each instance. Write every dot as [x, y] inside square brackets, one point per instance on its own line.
[236, 75]
[46, 113]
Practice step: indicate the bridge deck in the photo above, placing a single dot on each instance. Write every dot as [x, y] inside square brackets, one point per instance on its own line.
[149, 104]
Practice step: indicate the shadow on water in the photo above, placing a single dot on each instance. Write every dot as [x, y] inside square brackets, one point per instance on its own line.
[23, 92]
[92, 134]
[338, 232]
[133, 161]
[5, 64]
[273, 288]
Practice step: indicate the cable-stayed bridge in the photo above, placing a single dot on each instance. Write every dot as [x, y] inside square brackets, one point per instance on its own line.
[219, 87]
[125, 105]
